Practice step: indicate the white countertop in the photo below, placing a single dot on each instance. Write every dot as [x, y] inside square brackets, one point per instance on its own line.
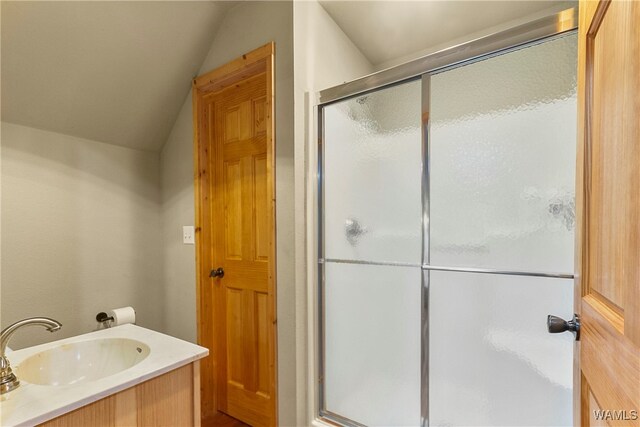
[32, 404]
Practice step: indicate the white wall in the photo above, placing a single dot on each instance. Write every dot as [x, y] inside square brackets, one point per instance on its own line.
[105, 250]
[323, 57]
[554, 7]
[245, 27]
[179, 265]
[79, 232]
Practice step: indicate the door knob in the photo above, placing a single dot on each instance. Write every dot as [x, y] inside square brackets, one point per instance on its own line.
[556, 324]
[217, 273]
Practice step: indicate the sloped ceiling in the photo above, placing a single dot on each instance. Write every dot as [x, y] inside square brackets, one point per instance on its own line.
[115, 72]
[118, 71]
[391, 32]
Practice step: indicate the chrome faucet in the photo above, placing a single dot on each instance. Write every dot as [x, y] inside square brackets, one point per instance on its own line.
[8, 380]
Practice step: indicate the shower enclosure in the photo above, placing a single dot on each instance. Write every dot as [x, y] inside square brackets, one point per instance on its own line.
[446, 233]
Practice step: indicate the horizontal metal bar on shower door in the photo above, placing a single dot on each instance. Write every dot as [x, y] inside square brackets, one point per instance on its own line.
[513, 38]
[495, 271]
[361, 262]
[445, 268]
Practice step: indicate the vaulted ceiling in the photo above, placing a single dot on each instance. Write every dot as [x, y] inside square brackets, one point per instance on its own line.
[118, 71]
[114, 72]
[391, 32]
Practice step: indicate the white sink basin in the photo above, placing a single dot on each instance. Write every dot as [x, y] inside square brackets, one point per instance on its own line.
[82, 361]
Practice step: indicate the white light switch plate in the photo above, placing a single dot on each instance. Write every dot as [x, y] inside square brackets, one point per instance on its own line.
[188, 235]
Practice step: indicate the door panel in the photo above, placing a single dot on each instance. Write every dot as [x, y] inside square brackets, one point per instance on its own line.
[233, 109]
[490, 187]
[608, 292]
[240, 163]
[373, 215]
[372, 176]
[502, 182]
[233, 210]
[503, 134]
[260, 214]
[372, 343]
[492, 361]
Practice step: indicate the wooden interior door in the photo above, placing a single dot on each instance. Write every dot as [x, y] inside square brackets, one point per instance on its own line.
[608, 264]
[234, 112]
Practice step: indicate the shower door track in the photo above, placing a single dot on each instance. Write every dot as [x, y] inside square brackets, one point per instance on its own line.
[423, 68]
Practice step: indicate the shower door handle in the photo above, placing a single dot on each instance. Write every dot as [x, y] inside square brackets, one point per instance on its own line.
[556, 325]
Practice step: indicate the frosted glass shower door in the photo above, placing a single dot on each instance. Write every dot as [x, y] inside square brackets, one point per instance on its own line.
[502, 155]
[371, 294]
[372, 169]
[435, 284]
[503, 147]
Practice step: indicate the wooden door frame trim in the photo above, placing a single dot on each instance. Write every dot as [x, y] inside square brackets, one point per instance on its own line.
[260, 60]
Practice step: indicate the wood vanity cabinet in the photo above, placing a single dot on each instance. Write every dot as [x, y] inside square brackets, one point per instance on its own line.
[172, 399]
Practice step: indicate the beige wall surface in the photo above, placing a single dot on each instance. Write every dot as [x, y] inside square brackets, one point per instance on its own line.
[80, 219]
[323, 57]
[246, 26]
[80, 223]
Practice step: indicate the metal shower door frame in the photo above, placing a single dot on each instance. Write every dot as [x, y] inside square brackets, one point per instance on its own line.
[515, 38]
